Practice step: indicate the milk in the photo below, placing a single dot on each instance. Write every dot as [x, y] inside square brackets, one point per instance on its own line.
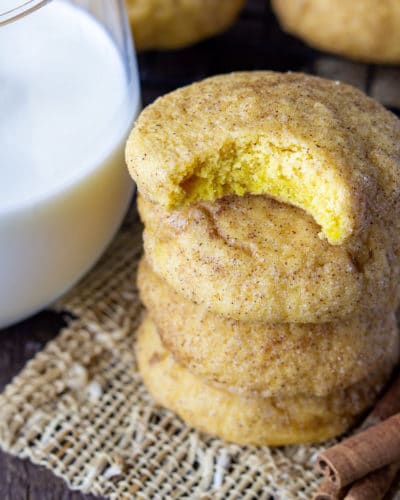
[65, 111]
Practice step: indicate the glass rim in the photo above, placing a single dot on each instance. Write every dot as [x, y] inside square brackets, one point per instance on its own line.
[21, 9]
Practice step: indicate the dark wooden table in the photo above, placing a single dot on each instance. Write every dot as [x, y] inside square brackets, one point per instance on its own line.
[255, 42]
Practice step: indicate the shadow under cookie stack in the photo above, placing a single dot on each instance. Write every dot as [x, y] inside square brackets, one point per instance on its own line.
[270, 278]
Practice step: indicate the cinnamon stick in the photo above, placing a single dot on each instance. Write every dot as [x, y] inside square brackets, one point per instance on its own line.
[363, 453]
[375, 485]
[328, 491]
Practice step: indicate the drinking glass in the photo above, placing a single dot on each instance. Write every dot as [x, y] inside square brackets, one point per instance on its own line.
[69, 93]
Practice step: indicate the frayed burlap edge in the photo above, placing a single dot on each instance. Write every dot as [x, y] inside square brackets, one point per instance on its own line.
[80, 409]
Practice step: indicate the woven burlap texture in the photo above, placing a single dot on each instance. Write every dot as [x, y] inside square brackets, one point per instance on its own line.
[80, 409]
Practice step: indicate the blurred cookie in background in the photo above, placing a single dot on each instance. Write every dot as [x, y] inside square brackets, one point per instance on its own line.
[172, 24]
[363, 30]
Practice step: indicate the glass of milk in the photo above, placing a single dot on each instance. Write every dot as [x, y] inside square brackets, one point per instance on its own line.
[69, 93]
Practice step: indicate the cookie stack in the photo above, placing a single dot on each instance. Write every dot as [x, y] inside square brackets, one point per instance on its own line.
[271, 268]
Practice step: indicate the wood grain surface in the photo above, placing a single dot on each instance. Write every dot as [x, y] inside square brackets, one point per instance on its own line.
[255, 42]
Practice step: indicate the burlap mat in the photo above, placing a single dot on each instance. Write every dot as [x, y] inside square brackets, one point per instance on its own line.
[80, 409]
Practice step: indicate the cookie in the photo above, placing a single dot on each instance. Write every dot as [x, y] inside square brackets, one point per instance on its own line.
[171, 24]
[316, 144]
[364, 30]
[251, 258]
[249, 421]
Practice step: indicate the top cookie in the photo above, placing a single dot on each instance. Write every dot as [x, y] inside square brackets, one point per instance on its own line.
[171, 24]
[365, 30]
[317, 144]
